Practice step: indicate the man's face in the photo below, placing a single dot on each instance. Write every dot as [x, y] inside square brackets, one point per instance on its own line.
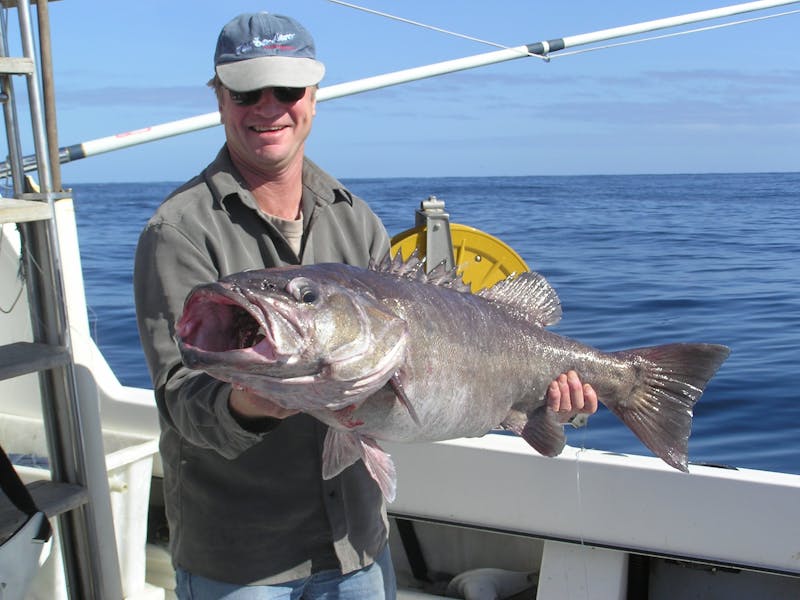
[267, 137]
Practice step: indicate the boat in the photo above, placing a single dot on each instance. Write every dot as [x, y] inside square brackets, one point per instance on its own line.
[628, 526]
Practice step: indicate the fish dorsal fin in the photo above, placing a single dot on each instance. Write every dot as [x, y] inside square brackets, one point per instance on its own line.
[414, 268]
[530, 295]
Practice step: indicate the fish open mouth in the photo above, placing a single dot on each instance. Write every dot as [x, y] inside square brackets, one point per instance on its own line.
[216, 320]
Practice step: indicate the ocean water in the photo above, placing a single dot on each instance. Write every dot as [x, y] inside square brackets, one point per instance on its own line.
[636, 260]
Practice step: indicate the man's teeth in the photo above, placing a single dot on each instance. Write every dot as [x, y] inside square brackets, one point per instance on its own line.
[265, 129]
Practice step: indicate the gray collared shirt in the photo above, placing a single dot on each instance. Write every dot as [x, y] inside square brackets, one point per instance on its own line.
[248, 507]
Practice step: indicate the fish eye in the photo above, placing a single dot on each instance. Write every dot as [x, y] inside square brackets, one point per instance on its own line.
[303, 290]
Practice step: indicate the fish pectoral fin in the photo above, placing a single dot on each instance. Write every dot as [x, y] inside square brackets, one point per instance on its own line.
[340, 450]
[544, 432]
[396, 384]
[343, 448]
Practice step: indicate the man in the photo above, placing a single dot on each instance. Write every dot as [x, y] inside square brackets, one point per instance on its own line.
[249, 513]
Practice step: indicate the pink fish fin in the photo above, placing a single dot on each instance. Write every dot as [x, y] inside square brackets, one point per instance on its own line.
[340, 450]
[396, 384]
[381, 467]
[544, 432]
[343, 448]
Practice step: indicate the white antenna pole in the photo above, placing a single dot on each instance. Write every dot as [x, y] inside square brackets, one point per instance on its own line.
[540, 49]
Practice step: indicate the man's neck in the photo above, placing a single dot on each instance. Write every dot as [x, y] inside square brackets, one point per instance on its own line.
[278, 194]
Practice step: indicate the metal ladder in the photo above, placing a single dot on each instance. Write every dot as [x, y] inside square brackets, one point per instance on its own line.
[78, 493]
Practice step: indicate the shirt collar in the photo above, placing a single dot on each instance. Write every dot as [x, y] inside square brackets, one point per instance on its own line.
[319, 188]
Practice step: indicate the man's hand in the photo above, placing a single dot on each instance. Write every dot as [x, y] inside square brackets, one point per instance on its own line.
[567, 396]
[246, 405]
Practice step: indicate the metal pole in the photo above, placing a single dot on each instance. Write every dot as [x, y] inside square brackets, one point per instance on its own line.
[48, 89]
[14, 166]
[37, 123]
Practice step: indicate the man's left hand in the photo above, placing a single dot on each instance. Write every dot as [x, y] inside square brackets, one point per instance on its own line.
[568, 397]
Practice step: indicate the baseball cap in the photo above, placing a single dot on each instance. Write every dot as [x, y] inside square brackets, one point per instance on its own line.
[257, 50]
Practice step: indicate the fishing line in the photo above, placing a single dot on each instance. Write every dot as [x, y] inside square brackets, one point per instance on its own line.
[431, 27]
[93, 321]
[579, 496]
[547, 57]
[673, 34]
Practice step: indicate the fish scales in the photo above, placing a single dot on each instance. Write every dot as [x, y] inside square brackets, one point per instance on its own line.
[392, 353]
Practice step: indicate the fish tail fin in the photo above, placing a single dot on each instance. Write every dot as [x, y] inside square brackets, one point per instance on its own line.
[670, 380]
[343, 448]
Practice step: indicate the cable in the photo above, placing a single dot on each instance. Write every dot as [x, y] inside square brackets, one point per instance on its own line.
[425, 26]
[673, 34]
[547, 57]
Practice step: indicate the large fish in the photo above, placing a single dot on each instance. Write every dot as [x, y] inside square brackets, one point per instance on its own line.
[392, 353]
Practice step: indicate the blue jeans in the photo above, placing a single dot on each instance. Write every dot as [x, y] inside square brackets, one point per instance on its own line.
[376, 581]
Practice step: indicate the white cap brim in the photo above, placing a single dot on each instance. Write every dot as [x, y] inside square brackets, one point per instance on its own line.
[270, 71]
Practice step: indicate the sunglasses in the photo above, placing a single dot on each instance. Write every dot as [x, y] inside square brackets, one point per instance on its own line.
[284, 95]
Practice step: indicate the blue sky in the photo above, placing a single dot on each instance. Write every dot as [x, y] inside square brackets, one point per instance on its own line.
[718, 101]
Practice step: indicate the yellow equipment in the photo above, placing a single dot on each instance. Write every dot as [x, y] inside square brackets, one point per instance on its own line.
[481, 259]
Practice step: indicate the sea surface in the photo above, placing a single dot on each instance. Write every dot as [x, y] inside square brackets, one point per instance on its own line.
[636, 260]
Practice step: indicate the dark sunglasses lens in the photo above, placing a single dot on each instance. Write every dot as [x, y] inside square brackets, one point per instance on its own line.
[285, 95]
[245, 98]
[288, 95]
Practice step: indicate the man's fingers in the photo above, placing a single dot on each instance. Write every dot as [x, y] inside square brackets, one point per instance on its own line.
[575, 392]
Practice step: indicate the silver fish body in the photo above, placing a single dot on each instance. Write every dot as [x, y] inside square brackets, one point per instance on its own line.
[392, 353]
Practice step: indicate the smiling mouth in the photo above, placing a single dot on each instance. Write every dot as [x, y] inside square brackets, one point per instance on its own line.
[267, 129]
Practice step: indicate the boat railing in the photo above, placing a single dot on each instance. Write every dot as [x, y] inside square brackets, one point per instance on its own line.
[78, 489]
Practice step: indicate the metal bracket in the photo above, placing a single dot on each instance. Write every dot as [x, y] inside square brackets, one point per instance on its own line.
[438, 242]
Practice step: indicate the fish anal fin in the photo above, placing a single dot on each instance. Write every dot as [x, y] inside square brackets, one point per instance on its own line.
[542, 431]
[343, 448]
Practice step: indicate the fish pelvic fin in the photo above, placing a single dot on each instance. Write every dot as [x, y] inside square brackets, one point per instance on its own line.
[529, 295]
[343, 448]
[541, 429]
[381, 467]
[340, 450]
[671, 378]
